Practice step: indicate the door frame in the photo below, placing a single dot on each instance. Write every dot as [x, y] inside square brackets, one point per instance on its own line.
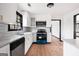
[59, 27]
[74, 25]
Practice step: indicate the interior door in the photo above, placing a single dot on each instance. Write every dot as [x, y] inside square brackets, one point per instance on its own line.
[56, 28]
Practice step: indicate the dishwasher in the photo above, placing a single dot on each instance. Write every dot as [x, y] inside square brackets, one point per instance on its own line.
[17, 47]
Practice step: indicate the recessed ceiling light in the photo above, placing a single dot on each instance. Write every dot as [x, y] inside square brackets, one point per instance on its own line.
[29, 4]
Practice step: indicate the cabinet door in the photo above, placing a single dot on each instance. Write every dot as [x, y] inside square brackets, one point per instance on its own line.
[49, 37]
[28, 42]
[26, 45]
[33, 22]
[5, 51]
[34, 37]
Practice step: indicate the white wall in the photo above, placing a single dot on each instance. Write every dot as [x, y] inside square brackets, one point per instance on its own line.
[68, 24]
[8, 11]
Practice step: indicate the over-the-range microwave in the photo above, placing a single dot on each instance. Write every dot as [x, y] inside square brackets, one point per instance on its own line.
[40, 23]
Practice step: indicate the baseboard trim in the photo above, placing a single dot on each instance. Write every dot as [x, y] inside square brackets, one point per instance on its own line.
[40, 43]
[58, 38]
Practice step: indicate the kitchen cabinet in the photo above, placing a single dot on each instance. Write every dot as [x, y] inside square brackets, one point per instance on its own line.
[49, 37]
[34, 37]
[46, 18]
[33, 22]
[5, 50]
[48, 23]
[26, 19]
[28, 41]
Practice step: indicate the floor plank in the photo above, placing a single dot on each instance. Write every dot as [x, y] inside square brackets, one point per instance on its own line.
[55, 48]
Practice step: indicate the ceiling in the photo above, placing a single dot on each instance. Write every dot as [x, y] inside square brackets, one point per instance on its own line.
[57, 9]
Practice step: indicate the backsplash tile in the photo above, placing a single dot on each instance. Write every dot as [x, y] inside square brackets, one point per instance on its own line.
[4, 33]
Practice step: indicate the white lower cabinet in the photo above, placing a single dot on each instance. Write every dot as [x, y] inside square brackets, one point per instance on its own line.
[49, 37]
[28, 41]
[5, 51]
[34, 37]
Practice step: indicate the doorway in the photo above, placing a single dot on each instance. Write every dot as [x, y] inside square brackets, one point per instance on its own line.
[56, 28]
[76, 26]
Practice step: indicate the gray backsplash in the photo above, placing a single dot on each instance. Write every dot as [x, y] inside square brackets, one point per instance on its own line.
[27, 29]
[4, 33]
[3, 27]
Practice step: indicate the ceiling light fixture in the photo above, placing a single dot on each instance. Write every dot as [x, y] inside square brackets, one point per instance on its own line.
[50, 5]
[29, 4]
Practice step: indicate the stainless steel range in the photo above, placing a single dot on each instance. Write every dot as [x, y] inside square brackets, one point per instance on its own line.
[41, 36]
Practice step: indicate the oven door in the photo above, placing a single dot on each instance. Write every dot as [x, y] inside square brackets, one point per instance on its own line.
[41, 38]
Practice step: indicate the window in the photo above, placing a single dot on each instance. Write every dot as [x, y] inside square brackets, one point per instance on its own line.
[18, 25]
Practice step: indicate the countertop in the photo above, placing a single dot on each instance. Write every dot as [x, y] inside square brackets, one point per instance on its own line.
[8, 40]
[28, 33]
[72, 42]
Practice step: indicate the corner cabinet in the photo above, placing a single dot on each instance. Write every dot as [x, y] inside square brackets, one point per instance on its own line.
[18, 25]
[28, 41]
[49, 38]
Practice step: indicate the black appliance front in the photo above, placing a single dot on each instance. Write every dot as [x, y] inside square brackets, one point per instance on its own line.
[41, 36]
[40, 23]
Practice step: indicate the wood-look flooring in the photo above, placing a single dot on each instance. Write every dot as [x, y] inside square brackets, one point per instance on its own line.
[55, 48]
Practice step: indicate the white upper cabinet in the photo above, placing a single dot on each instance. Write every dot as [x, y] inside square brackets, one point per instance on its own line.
[33, 22]
[26, 19]
[28, 41]
[46, 18]
[8, 12]
[48, 23]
